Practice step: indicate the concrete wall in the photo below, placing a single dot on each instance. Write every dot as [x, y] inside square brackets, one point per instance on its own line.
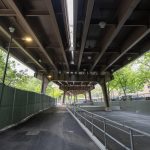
[141, 107]
[136, 106]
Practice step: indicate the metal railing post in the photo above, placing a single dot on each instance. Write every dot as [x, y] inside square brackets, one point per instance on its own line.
[74, 110]
[131, 140]
[105, 140]
[85, 118]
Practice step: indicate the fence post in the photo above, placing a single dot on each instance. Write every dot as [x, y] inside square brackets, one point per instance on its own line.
[27, 104]
[14, 98]
[131, 140]
[34, 103]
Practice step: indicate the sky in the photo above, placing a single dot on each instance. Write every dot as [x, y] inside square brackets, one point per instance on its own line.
[21, 66]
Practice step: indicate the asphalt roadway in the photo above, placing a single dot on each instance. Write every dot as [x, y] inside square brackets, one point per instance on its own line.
[49, 130]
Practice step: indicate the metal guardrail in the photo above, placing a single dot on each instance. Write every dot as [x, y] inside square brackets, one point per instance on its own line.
[89, 117]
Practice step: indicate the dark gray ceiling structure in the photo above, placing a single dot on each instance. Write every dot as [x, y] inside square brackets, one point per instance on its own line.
[108, 34]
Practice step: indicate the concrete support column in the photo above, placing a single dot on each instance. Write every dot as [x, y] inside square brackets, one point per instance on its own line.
[44, 84]
[105, 95]
[64, 96]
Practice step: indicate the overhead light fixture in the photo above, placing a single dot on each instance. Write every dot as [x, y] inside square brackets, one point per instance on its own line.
[27, 39]
[89, 57]
[40, 60]
[112, 70]
[11, 29]
[102, 24]
[49, 76]
[72, 62]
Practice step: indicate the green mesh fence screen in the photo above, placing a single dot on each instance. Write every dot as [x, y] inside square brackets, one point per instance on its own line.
[17, 104]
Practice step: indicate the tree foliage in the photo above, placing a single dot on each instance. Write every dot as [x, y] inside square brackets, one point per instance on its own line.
[53, 91]
[21, 80]
[13, 77]
[132, 77]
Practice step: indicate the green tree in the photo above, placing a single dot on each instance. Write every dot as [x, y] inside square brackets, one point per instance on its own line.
[53, 91]
[132, 77]
[13, 77]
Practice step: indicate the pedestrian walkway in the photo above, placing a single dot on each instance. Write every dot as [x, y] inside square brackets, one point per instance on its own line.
[49, 130]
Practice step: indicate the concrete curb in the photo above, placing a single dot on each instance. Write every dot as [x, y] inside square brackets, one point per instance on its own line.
[88, 132]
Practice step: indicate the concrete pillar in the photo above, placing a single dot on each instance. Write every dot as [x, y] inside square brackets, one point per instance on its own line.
[64, 96]
[105, 95]
[90, 96]
[44, 85]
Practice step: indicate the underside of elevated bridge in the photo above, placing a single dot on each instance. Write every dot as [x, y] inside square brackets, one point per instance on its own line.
[107, 35]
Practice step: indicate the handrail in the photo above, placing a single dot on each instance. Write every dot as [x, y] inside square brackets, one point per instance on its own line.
[128, 127]
[110, 125]
[129, 130]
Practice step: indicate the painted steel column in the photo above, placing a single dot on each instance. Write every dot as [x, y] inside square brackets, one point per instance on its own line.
[71, 98]
[85, 96]
[64, 96]
[76, 98]
[44, 84]
[105, 95]
[90, 96]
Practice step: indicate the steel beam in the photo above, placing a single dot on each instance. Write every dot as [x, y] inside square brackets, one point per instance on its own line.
[56, 28]
[76, 88]
[7, 12]
[75, 22]
[89, 9]
[65, 18]
[76, 78]
[123, 13]
[35, 13]
[134, 38]
[27, 26]
[81, 77]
